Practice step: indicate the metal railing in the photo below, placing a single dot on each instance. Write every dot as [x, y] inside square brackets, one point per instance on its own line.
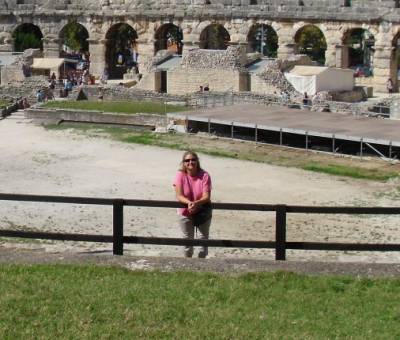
[219, 99]
[280, 244]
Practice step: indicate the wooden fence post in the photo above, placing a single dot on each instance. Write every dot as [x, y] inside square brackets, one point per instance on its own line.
[118, 227]
[280, 233]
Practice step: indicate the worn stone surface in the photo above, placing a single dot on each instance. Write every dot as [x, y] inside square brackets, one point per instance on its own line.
[23, 89]
[228, 266]
[273, 75]
[234, 58]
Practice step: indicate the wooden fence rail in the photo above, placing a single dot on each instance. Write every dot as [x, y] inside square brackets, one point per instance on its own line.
[118, 239]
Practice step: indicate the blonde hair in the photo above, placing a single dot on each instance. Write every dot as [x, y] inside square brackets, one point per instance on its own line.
[185, 154]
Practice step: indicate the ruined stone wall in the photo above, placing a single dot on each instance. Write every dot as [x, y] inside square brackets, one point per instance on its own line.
[259, 85]
[113, 93]
[183, 81]
[23, 89]
[219, 8]
[234, 58]
[148, 82]
[287, 17]
[212, 99]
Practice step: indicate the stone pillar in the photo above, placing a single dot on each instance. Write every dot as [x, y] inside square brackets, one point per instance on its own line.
[286, 50]
[286, 41]
[51, 47]
[342, 56]
[146, 53]
[381, 67]
[97, 50]
[330, 55]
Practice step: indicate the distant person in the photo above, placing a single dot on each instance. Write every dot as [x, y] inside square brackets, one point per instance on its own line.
[25, 103]
[201, 88]
[193, 188]
[20, 103]
[52, 84]
[39, 95]
[389, 85]
[67, 87]
[104, 76]
[306, 100]
[101, 94]
[285, 97]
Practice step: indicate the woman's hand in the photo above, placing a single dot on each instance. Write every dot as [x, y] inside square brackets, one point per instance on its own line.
[192, 207]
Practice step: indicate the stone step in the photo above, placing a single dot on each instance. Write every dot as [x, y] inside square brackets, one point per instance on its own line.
[18, 114]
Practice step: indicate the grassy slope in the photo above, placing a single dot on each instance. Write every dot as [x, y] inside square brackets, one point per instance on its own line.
[87, 302]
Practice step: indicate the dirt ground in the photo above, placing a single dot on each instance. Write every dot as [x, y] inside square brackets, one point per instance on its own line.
[39, 161]
[230, 266]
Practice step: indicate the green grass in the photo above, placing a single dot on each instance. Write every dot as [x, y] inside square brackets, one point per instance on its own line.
[88, 302]
[348, 171]
[173, 142]
[117, 106]
[4, 103]
[331, 169]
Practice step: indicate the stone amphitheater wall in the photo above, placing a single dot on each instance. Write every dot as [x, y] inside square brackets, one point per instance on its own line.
[333, 17]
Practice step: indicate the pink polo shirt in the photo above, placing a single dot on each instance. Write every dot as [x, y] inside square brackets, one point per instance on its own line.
[192, 187]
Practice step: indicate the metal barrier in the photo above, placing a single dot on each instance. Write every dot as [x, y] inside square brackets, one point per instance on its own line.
[218, 99]
[280, 244]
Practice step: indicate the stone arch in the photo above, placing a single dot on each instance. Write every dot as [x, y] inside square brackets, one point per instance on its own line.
[168, 37]
[358, 51]
[395, 61]
[310, 40]
[121, 49]
[263, 38]
[26, 36]
[73, 38]
[214, 37]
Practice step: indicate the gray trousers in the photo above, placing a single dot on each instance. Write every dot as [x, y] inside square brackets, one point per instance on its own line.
[187, 228]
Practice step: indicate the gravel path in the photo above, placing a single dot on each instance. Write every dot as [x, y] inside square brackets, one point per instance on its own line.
[38, 161]
[218, 265]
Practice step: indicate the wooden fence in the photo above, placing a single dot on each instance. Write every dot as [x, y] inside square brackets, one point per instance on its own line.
[280, 244]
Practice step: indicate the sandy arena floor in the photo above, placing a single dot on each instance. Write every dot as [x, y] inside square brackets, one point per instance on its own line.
[38, 161]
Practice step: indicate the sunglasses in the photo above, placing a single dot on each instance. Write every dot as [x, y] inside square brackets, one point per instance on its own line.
[193, 160]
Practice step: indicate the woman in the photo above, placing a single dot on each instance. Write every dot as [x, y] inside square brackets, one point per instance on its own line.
[193, 188]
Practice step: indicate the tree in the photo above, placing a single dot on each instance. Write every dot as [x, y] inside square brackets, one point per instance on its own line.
[75, 37]
[215, 37]
[27, 36]
[263, 39]
[311, 41]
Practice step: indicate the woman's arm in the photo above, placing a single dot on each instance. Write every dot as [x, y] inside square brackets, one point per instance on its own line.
[204, 199]
[180, 197]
